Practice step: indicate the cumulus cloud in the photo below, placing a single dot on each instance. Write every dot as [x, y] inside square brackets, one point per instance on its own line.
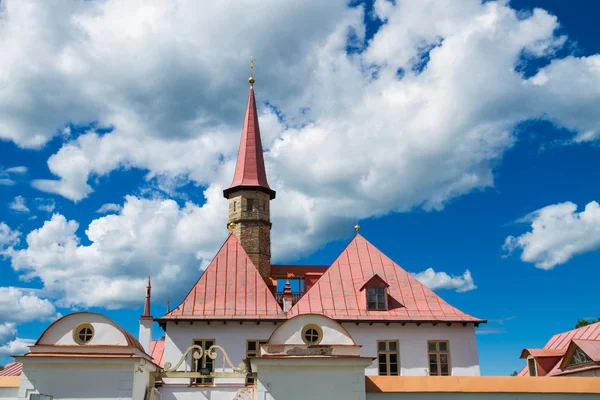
[8, 237]
[8, 331]
[558, 233]
[18, 204]
[367, 139]
[20, 305]
[441, 280]
[18, 346]
[154, 236]
[109, 207]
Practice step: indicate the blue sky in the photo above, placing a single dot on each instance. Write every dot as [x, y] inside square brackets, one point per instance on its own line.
[445, 190]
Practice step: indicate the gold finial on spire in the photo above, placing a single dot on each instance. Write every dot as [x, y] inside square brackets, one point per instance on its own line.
[251, 79]
[357, 228]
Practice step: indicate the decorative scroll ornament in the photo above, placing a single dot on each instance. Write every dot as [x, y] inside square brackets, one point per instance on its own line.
[198, 353]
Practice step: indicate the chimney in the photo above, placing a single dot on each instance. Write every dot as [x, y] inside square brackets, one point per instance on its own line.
[288, 297]
[146, 322]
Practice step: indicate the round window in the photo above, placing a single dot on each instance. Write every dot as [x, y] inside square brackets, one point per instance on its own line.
[83, 334]
[312, 334]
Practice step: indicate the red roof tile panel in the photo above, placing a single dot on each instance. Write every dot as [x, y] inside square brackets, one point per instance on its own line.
[250, 167]
[157, 351]
[12, 369]
[229, 288]
[340, 286]
[588, 336]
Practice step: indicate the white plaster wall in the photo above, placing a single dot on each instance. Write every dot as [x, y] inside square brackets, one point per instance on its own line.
[413, 345]
[182, 392]
[145, 334]
[295, 382]
[291, 331]
[81, 380]
[479, 396]
[232, 337]
[9, 393]
[105, 331]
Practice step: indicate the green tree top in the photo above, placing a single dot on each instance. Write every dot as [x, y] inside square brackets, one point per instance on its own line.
[585, 322]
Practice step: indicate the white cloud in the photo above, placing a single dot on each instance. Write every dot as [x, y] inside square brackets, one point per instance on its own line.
[18, 204]
[20, 305]
[46, 205]
[558, 233]
[353, 140]
[152, 236]
[5, 174]
[441, 280]
[8, 331]
[8, 237]
[19, 346]
[109, 207]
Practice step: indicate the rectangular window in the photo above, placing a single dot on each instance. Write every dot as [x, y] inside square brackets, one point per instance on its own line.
[250, 204]
[388, 357]
[204, 364]
[253, 350]
[532, 366]
[376, 299]
[234, 205]
[438, 352]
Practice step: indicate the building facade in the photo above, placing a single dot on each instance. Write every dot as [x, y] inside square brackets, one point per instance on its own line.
[236, 336]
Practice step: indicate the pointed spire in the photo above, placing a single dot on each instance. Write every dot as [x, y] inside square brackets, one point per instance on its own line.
[250, 172]
[147, 302]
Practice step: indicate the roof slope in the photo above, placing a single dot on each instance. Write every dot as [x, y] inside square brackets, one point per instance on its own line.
[250, 167]
[561, 341]
[337, 293]
[157, 351]
[230, 288]
[12, 369]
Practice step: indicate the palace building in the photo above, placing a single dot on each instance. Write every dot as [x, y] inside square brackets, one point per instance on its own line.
[236, 336]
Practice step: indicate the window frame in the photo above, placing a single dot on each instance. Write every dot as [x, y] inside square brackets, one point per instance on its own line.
[573, 364]
[385, 299]
[387, 352]
[77, 331]
[251, 381]
[437, 354]
[531, 359]
[249, 204]
[319, 333]
[203, 381]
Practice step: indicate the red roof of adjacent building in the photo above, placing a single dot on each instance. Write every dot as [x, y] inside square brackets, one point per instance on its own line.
[587, 338]
[230, 288]
[337, 293]
[157, 351]
[250, 167]
[12, 369]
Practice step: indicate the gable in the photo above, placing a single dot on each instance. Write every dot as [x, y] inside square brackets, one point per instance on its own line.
[229, 288]
[337, 294]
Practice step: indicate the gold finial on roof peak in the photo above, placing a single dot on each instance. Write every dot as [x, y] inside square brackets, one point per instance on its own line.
[356, 228]
[251, 79]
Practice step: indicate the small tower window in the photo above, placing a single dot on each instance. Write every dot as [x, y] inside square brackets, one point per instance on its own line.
[376, 299]
[250, 204]
[312, 334]
[83, 334]
[234, 205]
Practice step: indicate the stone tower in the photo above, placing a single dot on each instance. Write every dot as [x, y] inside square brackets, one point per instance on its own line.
[250, 195]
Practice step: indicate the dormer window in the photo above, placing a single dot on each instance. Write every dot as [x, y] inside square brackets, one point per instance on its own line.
[579, 357]
[376, 293]
[532, 366]
[376, 299]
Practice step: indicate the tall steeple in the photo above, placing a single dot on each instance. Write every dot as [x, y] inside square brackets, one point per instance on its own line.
[249, 194]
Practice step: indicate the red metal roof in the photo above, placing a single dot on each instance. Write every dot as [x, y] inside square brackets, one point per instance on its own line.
[250, 167]
[157, 351]
[561, 341]
[337, 293]
[12, 369]
[230, 288]
[543, 352]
